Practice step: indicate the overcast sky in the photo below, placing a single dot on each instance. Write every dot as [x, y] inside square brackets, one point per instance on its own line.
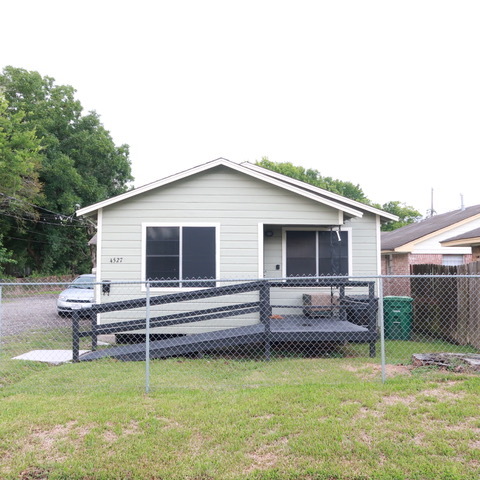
[385, 94]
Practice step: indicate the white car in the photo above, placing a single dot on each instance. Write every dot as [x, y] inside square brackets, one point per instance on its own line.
[79, 294]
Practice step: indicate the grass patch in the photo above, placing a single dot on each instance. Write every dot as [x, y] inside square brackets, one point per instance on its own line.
[214, 418]
[324, 415]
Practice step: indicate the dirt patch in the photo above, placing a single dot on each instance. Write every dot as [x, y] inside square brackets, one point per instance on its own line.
[35, 473]
[110, 436]
[394, 370]
[442, 394]
[267, 456]
[48, 442]
[371, 370]
[397, 399]
[45, 441]
[169, 423]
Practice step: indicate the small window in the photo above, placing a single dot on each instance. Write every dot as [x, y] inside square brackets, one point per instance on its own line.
[181, 253]
[452, 260]
[317, 253]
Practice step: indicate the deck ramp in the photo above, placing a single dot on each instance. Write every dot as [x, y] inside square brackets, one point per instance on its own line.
[178, 346]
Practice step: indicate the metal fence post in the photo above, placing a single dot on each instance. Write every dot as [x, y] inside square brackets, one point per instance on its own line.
[381, 324]
[147, 340]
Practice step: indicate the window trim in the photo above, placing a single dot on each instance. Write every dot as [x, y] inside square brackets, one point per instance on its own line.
[180, 225]
[314, 229]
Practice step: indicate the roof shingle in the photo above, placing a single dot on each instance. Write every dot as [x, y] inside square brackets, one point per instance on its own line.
[415, 231]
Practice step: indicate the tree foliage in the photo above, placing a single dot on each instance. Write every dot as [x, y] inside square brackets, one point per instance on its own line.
[313, 177]
[71, 161]
[405, 213]
[19, 160]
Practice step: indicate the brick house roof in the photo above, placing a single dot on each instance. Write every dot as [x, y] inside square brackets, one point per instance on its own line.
[469, 238]
[415, 232]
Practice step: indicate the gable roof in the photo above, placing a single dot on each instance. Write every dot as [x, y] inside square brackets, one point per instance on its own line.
[467, 239]
[349, 207]
[321, 191]
[404, 238]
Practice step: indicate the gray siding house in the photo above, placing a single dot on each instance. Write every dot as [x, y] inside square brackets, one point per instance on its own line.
[229, 222]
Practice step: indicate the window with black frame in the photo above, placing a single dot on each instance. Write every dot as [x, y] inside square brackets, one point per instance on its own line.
[178, 254]
[316, 253]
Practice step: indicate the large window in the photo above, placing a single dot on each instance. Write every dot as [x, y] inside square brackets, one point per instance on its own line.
[316, 253]
[180, 253]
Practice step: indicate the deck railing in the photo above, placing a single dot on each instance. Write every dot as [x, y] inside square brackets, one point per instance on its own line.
[262, 306]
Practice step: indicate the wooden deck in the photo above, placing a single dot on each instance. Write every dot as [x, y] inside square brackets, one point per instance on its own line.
[293, 328]
[271, 328]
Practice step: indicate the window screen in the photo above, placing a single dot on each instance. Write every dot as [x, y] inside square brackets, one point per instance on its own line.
[180, 253]
[301, 254]
[317, 253]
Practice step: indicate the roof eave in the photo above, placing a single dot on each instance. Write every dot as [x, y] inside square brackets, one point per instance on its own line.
[465, 242]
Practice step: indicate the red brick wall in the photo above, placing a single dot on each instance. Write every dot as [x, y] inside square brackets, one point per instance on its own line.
[424, 259]
[399, 264]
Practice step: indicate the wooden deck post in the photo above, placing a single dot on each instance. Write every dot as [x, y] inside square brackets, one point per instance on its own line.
[343, 311]
[93, 328]
[76, 336]
[265, 314]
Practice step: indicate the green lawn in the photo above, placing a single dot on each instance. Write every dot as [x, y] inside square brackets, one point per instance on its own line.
[217, 418]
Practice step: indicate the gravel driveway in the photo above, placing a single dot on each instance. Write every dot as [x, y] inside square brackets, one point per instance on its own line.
[19, 315]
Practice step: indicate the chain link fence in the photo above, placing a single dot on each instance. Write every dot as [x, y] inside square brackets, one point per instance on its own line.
[237, 332]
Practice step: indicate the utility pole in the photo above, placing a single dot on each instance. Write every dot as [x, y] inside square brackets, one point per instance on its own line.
[431, 212]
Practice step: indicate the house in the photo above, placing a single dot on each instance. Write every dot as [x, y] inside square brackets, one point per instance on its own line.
[423, 242]
[467, 239]
[223, 222]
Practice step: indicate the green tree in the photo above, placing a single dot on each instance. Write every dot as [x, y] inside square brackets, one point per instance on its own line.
[405, 214]
[19, 185]
[313, 177]
[79, 165]
[19, 160]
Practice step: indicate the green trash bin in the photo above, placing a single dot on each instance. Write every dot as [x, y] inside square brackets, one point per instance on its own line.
[397, 317]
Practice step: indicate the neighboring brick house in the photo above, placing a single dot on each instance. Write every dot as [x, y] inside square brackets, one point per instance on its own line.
[468, 239]
[429, 242]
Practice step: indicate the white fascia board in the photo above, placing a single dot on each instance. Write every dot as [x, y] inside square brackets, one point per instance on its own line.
[150, 186]
[320, 191]
[442, 251]
[221, 161]
[465, 242]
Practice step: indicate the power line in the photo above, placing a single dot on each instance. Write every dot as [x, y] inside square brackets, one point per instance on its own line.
[41, 221]
[57, 215]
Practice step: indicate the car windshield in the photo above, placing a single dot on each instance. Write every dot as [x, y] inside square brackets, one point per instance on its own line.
[83, 282]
